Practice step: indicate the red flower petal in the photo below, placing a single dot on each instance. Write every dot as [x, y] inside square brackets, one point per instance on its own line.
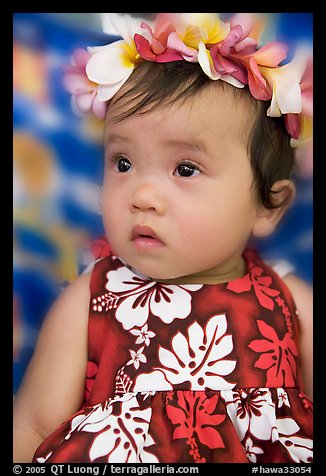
[176, 415]
[265, 361]
[268, 331]
[264, 300]
[240, 285]
[261, 345]
[203, 419]
[256, 271]
[292, 123]
[275, 377]
[210, 404]
[182, 432]
[265, 280]
[169, 55]
[270, 291]
[210, 437]
[290, 344]
[259, 88]
[144, 48]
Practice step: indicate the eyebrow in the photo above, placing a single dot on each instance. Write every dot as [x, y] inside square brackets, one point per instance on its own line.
[197, 146]
[116, 138]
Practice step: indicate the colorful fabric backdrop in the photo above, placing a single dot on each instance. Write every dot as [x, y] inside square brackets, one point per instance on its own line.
[57, 167]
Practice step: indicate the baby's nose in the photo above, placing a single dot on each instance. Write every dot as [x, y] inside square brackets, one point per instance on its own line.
[147, 197]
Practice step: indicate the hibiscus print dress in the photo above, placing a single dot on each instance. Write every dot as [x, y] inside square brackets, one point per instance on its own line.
[188, 373]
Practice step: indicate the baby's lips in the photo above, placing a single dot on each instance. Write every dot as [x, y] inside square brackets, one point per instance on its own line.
[144, 231]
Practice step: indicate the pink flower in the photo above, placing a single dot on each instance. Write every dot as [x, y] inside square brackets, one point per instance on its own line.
[237, 56]
[237, 40]
[164, 44]
[84, 92]
[152, 45]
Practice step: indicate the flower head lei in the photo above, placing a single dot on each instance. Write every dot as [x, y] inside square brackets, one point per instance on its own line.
[226, 51]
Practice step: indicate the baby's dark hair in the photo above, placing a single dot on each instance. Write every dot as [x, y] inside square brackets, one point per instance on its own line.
[152, 85]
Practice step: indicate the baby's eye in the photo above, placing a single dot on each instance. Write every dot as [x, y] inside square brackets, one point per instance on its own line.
[122, 165]
[186, 170]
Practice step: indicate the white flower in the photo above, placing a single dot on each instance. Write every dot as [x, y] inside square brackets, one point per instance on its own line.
[111, 65]
[285, 84]
[198, 358]
[140, 296]
[251, 450]
[251, 410]
[283, 398]
[144, 335]
[137, 357]
[120, 429]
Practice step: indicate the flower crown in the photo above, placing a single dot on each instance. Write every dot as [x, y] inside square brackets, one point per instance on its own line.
[224, 50]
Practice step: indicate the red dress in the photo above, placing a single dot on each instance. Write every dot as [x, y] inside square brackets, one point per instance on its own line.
[188, 373]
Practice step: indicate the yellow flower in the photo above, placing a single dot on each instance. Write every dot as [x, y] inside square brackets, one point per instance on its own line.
[205, 27]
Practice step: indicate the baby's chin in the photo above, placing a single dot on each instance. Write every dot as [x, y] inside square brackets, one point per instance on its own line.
[149, 273]
[150, 270]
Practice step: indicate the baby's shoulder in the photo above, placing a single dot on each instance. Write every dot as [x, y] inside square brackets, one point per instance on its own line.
[75, 295]
[302, 293]
[70, 309]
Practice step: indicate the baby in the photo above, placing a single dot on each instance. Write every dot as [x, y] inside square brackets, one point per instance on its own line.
[181, 345]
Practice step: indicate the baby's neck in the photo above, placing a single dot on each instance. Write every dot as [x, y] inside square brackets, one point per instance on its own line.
[215, 275]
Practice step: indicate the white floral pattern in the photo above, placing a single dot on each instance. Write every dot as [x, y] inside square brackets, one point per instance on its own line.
[253, 411]
[137, 357]
[197, 359]
[202, 363]
[123, 382]
[125, 436]
[251, 450]
[136, 297]
[299, 448]
[283, 398]
[143, 335]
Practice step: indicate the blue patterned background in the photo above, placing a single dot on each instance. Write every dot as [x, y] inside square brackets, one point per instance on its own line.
[58, 168]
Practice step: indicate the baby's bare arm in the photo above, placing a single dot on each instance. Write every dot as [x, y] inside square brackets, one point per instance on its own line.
[303, 298]
[53, 385]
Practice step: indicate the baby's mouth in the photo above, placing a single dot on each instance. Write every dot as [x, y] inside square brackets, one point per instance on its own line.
[144, 238]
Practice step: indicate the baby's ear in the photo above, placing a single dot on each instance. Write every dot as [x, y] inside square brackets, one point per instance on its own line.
[282, 195]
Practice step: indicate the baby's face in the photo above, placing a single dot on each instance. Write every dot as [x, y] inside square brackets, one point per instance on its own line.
[184, 173]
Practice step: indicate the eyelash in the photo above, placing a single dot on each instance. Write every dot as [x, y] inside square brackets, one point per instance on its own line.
[189, 163]
[116, 156]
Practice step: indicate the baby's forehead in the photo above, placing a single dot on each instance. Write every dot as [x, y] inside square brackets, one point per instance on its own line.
[214, 107]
